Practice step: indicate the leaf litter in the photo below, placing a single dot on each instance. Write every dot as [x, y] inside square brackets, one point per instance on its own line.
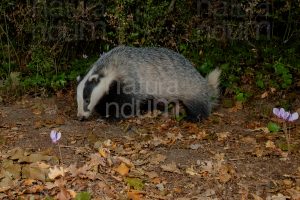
[153, 157]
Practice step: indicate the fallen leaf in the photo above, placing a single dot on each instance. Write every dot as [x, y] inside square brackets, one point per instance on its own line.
[126, 161]
[104, 152]
[6, 183]
[134, 195]
[56, 172]
[158, 158]
[270, 144]
[223, 136]
[195, 146]
[278, 197]
[295, 194]
[171, 167]
[225, 173]
[264, 95]
[255, 197]
[191, 171]
[63, 194]
[29, 182]
[152, 174]
[97, 160]
[160, 187]
[122, 169]
[8, 166]
[33, 171]
[136, 183]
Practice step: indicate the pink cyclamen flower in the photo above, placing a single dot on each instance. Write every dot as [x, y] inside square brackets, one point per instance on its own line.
[55, 136]
[285, 115]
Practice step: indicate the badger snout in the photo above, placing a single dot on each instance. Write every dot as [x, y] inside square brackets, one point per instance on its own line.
[82, 117]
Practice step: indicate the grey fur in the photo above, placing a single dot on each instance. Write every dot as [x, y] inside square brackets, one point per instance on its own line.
[143, 74]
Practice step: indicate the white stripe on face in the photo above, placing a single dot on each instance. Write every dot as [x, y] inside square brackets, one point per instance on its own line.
[98, 92]
[101, 89]
[80, 100]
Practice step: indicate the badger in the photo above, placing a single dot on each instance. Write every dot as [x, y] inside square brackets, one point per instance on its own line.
[127, 80]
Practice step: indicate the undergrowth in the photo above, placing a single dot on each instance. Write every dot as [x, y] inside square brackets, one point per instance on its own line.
[44, 45]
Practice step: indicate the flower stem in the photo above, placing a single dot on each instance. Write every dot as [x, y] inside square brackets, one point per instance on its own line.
[287, 136]
[60, 160]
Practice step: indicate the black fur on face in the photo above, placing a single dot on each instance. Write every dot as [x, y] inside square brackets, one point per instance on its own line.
[88, 89]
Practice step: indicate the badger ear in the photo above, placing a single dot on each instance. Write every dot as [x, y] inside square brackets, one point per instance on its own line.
[94, 78]
[78, 78]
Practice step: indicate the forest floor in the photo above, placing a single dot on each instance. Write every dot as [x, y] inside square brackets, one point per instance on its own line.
[231, 155]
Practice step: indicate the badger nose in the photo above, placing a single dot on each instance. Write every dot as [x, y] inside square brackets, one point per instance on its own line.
[81, 118]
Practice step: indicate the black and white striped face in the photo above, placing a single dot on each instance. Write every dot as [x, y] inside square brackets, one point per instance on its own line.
[90, 90]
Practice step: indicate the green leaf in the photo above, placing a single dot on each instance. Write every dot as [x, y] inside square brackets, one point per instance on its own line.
[273, 127]
[83, 196]
[136, 183]
[240, 97]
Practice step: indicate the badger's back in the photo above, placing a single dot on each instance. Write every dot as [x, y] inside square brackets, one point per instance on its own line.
[157, 71]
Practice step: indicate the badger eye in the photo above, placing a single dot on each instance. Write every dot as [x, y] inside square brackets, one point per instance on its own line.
[87, 101]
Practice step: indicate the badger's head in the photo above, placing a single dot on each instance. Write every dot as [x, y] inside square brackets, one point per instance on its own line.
[90, 90]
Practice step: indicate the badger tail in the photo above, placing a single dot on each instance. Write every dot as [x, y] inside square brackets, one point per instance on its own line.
[213, 79]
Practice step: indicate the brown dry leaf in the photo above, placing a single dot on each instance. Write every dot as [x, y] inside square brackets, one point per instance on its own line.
[73, 170]
[255, 197]
[223, 136]
[17, 153]
[50, 185]
[122, 169]
[134, 195]
[56, 172]
[107, 190]
[59, 120]
[35, 157]
[225, 173]
[97, 160]
[206, 166]
[270, 144]
[295, 194]
[156, 141]
[37, 111]
[126, 161]
[156, 180]
[238, 106]
[201, 135]
[191, 171]
[84, 171]
[174, 137]
[33, 171]
[38, 124]
[107, 143]
[63, 194]
[157, 158]
[104, 152]
[35, 189]
[9, 167]
[279, 196]
[249, 140]
[6, 183]
[152, 174]
[60, 183]
[72, 193]
[29, 182]
[264, 95]
[259, 152]
[171, 167]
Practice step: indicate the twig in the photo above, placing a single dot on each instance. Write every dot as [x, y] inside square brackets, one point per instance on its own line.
[171, 6]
